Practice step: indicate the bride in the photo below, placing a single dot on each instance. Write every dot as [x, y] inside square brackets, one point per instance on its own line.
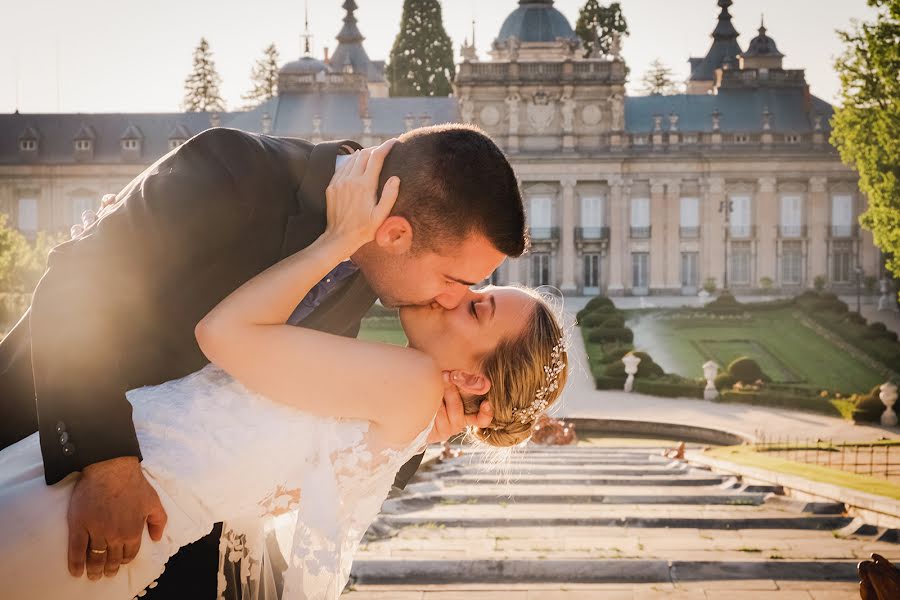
[291, 436]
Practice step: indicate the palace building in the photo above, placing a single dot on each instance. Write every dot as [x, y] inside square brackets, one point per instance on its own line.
[625, 194]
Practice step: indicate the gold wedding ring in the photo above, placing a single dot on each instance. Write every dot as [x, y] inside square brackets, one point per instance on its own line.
[98, 551]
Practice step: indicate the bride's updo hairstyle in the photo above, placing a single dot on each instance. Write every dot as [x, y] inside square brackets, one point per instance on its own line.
[527, 375]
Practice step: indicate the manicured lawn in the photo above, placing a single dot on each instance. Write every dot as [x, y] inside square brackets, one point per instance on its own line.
[787, 351]
[383, 329]
[745, 455]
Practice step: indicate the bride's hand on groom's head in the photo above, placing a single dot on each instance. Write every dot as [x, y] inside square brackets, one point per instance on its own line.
[354, 211]
[451, 418]
[89, 217]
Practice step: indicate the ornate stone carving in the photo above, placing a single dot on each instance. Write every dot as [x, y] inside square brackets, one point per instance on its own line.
[766, 185]
[490, 115]
[617, 112]
[512, 109]
[568, 113]
[591, 114]
[673, 121]
[467, 109]
[540, 111]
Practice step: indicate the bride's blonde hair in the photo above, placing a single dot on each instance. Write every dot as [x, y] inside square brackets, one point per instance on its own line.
[521, 369]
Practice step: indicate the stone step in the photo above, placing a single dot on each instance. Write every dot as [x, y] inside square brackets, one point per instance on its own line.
[612, 480]
[572, 470]
[515, 490]
[468, 461]
[545, 570]
[697, 519]
[574, 501]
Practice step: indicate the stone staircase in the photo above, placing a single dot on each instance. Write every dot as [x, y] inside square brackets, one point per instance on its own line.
[605, 522]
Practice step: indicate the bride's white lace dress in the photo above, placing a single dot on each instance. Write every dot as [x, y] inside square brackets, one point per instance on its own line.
[296, 493]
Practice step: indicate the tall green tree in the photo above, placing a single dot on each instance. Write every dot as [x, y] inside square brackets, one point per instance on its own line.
[866, 126]
[264, 78]
[596, 25]
[658, 80]
[201, 88]
[421, 59]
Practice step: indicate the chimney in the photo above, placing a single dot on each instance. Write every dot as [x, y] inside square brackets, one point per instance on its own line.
[326, 55]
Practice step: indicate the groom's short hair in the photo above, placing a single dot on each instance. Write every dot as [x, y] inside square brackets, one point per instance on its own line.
[455, 181]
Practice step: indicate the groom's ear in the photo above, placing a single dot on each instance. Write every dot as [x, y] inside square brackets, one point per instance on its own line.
[470, 383]
[395, 235]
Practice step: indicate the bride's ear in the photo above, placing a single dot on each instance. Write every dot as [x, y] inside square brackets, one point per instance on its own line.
[470, 383]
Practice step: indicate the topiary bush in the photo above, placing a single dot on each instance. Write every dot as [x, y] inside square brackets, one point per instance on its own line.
[747, 370]
[592, 320]
[647, 368]
[869, 407]
[855, 318]
[611, 334]
[614, 351]
[668, 389]
[616, 320]
[724, 381]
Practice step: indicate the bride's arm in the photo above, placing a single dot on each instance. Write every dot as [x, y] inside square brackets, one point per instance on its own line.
[323, 374]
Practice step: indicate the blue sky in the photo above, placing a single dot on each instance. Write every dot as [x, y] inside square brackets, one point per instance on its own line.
[133, 56]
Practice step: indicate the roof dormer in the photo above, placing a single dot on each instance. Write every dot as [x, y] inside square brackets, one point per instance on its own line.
[84, 142]
[29, 142]
[131, 141]
[179, 135]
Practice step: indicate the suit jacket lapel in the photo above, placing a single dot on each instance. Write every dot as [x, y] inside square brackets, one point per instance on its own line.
[303, 228]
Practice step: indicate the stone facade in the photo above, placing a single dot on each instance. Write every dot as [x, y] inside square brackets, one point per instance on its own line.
[625, 195]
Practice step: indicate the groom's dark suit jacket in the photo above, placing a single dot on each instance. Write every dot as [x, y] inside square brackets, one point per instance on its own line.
[117, 306]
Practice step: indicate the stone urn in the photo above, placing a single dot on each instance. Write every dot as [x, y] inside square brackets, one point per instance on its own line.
[710, 370]
[888, 397]
[631, 366]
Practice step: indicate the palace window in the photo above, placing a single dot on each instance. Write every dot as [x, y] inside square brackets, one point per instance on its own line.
[690, 217]
[792, 263]
[130, 144]
[540, 217]
[741, 261]
[689, 273]
[792, 138]
[791, 216]
[842, 224]
[640, 271]
[83, 145]
[175, 142]
[742, 138]
[540, 269]
[640, 217]
[740, 218]
[842, 262]
[28, 145]
[28, 215]
[591, 274]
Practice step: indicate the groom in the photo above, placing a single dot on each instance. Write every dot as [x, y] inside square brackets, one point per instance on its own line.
[117, 306]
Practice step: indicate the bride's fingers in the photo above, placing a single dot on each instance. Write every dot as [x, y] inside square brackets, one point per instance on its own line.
[376, 161]
[359, 167]
[342, 171]
[388, 198]
[78, 541]
[113, 560]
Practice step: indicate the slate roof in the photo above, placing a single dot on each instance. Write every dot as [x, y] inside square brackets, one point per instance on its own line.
[724, 49]
[792, 110]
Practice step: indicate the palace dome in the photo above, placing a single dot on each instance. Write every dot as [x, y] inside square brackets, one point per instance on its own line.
[535, 21]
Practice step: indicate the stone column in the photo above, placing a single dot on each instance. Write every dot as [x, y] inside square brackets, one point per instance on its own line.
[657, 235]
[567, 235]
[767, 219]
[713, 231]
[818, 208]
[672, 253]
[618, 236]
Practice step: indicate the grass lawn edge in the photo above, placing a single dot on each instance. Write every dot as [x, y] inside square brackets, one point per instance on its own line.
[746, 456]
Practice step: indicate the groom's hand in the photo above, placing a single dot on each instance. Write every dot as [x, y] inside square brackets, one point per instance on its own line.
[110, 504]
[451, 418]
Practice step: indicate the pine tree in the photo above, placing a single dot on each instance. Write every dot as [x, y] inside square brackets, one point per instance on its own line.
[421, 60]
[596, 25]
[658, 80]
[201, 87]
[264, 78]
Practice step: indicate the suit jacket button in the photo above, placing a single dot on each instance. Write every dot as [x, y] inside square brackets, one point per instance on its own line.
[68, 449]
[63, 438]
[60, 427]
